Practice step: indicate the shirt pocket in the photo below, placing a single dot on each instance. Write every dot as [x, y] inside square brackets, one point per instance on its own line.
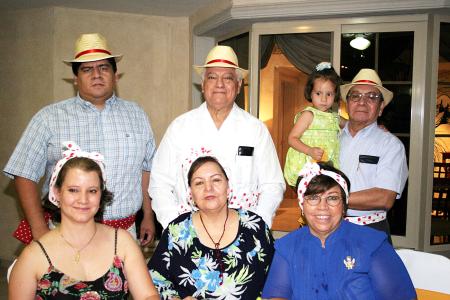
[244, 169]
[131, 146]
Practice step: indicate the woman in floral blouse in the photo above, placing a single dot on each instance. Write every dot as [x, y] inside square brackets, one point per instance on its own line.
[81, 259]
[214, 252]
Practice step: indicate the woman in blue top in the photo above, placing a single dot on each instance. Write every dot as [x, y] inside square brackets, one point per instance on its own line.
[331, 258]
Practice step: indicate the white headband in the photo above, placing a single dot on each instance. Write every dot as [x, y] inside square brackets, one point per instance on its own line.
[73, 150]
[311, 170]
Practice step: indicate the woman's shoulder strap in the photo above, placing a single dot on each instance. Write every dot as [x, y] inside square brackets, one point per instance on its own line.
[115, 240]
[45, 252]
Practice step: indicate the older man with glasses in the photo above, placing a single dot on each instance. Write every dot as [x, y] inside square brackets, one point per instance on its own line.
[372, 158]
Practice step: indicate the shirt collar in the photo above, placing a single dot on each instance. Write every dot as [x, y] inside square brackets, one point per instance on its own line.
[333, 237]
[363, 131]
[86, 104]
[232, 115]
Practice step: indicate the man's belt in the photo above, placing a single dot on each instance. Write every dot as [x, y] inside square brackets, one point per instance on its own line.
[367, 219]
[23, 231]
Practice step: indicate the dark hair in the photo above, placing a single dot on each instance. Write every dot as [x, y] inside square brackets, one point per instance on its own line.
[322, 183]
[87, 165]
[200, 162]
[76, 65]
[325, 74]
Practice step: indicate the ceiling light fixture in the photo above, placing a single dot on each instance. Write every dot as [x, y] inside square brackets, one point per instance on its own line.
[360, 42]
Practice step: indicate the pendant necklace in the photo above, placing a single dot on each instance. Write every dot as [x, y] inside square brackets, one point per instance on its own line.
[217, 254]
[76, 258]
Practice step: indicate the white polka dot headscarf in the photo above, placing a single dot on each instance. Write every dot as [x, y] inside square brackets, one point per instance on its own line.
[72, 151]
[311, 170]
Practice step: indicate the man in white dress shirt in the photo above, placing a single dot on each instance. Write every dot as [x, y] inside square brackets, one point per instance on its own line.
[240, 141]
[372, 158]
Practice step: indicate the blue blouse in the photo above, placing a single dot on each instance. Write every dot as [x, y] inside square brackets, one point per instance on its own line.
[356, 263]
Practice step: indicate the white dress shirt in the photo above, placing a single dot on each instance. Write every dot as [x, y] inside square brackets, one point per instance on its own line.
[358, 157]
[256, 181]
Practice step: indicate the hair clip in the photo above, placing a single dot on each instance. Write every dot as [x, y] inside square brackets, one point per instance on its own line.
[323, 65]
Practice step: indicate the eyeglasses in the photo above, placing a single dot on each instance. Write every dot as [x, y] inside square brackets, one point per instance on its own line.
[370, 97]
[226, 78]
[332, 200]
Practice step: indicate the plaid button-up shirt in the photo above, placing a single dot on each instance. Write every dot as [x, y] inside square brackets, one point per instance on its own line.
[121, 132]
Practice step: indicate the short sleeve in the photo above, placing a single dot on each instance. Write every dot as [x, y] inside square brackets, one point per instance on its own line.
[30, 155]
[150, 146]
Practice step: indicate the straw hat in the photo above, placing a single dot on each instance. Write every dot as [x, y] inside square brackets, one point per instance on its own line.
[367, 77]
[91, 47]
[223, 57]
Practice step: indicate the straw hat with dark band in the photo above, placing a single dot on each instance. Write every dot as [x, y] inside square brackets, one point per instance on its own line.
[92, 47]
[367, 77]
[222, 57]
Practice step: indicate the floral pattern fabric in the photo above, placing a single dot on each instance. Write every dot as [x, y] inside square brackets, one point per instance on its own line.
[56, 285]
[182, 266]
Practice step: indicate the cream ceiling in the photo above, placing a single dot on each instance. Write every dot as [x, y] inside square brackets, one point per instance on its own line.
[170, 8]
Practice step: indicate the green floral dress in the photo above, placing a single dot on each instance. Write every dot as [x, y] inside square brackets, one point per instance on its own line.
[323, 133]
[182, 266]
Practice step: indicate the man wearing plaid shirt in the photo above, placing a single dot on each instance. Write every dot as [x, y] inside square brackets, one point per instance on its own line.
[97, 120]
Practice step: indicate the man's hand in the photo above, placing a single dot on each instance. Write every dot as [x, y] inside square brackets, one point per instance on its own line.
[147, 231]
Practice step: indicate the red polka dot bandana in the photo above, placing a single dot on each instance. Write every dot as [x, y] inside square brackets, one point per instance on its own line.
[311, 170]
[72, 150]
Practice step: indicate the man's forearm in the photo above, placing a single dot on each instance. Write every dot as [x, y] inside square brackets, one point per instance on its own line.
[371, 199]
[146, 204]
[28, 193]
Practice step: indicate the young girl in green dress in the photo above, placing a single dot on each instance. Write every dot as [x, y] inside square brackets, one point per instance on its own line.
[315, 135]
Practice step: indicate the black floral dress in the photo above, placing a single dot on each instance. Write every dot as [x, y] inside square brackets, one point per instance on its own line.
[182, 266]
[56, 285]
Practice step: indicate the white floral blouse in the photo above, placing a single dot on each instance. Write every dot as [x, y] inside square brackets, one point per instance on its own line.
[182, 266]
